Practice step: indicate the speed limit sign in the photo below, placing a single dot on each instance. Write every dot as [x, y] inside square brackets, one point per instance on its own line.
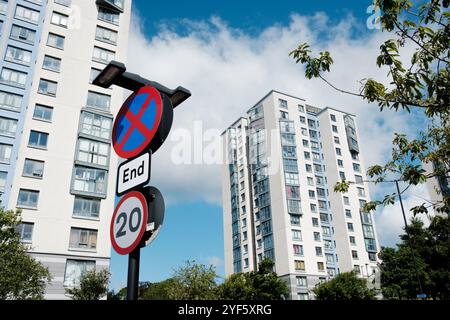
[129, 222]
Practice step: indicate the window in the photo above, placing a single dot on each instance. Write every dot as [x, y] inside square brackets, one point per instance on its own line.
[340, 163]
[314, 145]
[296, 235]
[23, 34]
[301, 108]
[246, 263]
[338, 151]
[291, 178]
[372, 256]
[5, 153]
[333, 117]
[323, 217]
[329, 257]
[56, 41]
[289, 152]
[25, 231]
[354, 254]
[301, 282]
[28, 198]
[93, 152]
[47, 87]
[298, 250]
[311, 123]
[90, 180]
[315, 222]
[356, 167]
[313, 134]
[348, 213]
[42, 112]
[33, 168]
[308, 168]
[244, 223]
[355, 156]
[356, 269]
[52, 63]
[336, 140]
[304, 131]
[27, 14]
[17, 55]
[320, 266]
[350, 226]
[311, 194]
[3, 175]
[102, 55]
[290, 165]
[244, 235]
[334, 128]
[328, 245]
[38, 139]
[318, 168]
[366, 218]
[299, 265]
[310, 181]
[307, 155]
[94, 74]
[316, 156]
[352, 240]
[320, 192]
[302, 120]
[322, 204]
[368, 231]
[320, 180]
[292, 192]
[98, 100]
[59, 19]
[361, 192]
[66, 3]
[3, 6]
[287, 126]
[13, 77]
[326, 231]
[96, 125]
[10, 101]
[313, 207]
[74, 270]
[342, 175]
[106, 35]
[305, 143]
[295, 219]
[303, 296]
[346, 201]
[319, 252]
[283, 103]
[108, 16]
[358, 179]
[8, 127]
[316, 236]
[83, 238]
[287, 139]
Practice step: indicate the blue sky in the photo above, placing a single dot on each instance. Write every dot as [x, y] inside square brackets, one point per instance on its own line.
[193, 223]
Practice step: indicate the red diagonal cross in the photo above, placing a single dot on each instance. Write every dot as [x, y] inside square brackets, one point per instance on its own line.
[136, 123]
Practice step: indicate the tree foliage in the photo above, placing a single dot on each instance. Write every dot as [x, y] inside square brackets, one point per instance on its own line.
[420, 81]
[21, 276]
[423, 254]
[93, 285]
[345, 286]
[193, 282]
[263, 284]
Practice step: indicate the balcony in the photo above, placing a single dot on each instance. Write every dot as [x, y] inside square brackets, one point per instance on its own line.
[114, 5]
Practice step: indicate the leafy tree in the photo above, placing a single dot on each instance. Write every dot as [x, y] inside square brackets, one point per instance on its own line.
[263, 284]
[345, 286]
[422, 255]
[193, 282]
[158, 290]
[422, 84]
[21, 276]
[93, 285]
[112, 295]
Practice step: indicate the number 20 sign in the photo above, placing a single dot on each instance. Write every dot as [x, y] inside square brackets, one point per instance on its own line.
[129, 222]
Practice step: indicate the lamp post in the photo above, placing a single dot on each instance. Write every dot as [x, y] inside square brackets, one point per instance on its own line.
[406, 230]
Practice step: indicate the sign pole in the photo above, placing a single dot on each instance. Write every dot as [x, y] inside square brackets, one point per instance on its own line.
[133, 274]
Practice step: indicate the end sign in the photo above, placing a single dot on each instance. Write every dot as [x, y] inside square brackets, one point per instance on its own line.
[133, 173]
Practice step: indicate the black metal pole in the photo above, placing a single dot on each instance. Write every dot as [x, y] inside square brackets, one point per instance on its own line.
[406, 230]
[133, 274]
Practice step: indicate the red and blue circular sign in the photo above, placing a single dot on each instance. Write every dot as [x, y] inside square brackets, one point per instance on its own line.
[137, 122]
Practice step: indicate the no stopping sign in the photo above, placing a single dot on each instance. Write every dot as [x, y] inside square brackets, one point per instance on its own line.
[129, 222]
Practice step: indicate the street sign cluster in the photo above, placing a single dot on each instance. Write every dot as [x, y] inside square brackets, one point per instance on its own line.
[140, 128]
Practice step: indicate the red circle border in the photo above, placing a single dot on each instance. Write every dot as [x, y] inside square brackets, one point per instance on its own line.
[133, 246]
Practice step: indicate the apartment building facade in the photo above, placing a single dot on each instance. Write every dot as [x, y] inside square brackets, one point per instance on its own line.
[282, 161]
[56, 163]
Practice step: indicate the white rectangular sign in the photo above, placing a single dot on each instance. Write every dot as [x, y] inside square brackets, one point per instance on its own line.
[133, 173]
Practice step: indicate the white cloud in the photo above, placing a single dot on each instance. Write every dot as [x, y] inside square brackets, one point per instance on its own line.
[228, 71]
[390, 222]
[214, 261]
